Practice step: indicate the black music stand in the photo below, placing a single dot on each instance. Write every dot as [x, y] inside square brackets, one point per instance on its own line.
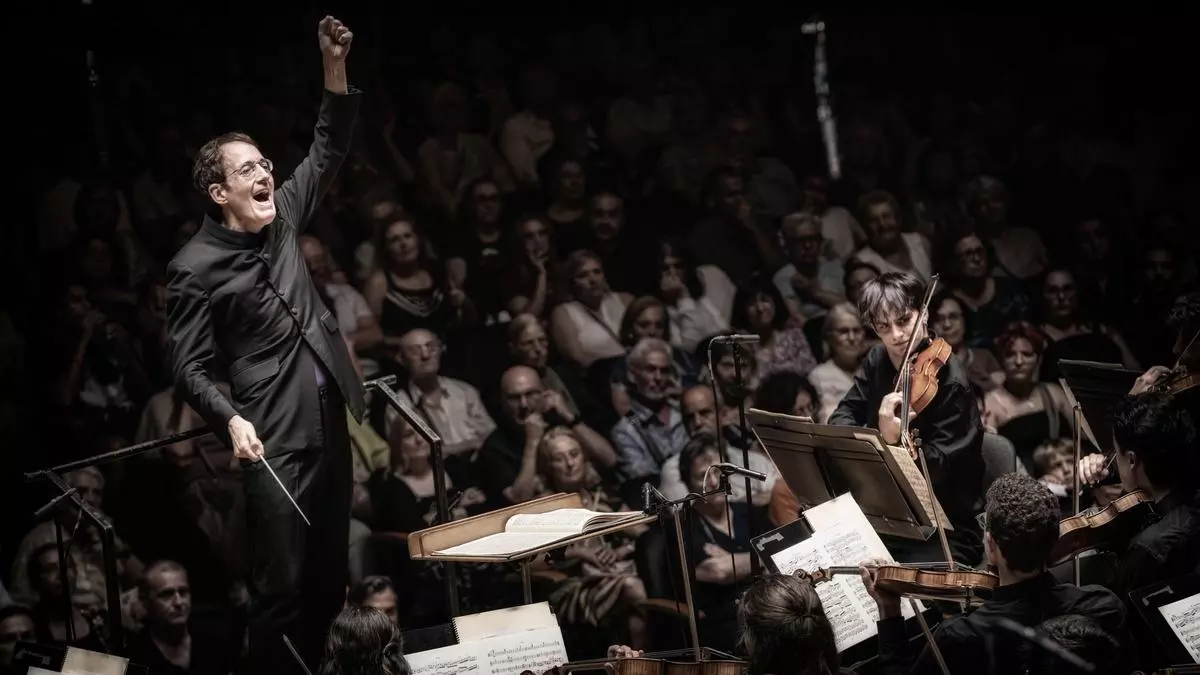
[1155, 602]
[53, 475]
[1096, 387]
[422, 429]
[819, 462]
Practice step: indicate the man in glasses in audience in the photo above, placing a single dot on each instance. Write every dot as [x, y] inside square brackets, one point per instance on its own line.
[240, 288]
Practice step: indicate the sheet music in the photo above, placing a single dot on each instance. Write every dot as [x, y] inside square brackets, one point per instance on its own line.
[504, 543]
[444, 661]
[537, 650]
[85, 662]
[917, 480]
[569, 521]
[842, 537]
[502, 621]
[1183, 616]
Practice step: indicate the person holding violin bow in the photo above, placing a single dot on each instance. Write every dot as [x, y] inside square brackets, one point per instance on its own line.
[944, 411]
[1155, 439]
[1020, 525]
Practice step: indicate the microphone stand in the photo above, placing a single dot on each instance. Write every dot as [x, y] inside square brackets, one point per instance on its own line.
[115, 640]
[418, 424]
[738, 358]
[656, 504]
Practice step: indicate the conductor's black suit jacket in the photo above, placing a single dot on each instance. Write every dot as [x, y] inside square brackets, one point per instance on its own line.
[241, 306]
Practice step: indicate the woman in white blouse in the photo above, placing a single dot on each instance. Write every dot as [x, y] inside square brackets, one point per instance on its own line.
[587, 328]
[844, 344]
[699, 300]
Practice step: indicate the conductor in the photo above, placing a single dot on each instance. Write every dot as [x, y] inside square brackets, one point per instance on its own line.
[242, 306]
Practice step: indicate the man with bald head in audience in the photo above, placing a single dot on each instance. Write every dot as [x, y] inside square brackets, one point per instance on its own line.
[507, 462]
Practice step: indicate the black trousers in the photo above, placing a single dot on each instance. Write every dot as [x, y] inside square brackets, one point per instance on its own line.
[299, 572]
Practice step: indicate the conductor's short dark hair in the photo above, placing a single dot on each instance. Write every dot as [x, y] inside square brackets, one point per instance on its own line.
[207, 168]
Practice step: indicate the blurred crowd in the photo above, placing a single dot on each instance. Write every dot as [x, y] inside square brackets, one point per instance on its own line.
[539, 230]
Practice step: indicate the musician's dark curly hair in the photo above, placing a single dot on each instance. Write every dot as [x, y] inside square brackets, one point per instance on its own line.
[1083, 637]
[362, 641]
[1162, 432]
[1022, 517]
[784, 628]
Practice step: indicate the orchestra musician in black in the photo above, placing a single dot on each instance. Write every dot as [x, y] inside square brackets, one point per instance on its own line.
[1155, 442]
[242, 308]
[1020, 521]
[950, 428]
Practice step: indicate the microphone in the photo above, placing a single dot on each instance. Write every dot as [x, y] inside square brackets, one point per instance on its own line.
[737, 339]
[728, 469]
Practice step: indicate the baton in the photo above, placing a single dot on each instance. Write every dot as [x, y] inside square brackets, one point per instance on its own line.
[285, 490]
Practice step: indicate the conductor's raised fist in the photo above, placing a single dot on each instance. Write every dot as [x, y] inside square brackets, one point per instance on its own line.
[334, 38]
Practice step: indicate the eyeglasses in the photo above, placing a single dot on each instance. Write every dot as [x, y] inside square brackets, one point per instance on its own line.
[981, 520]
[976, 252]
[246, 170]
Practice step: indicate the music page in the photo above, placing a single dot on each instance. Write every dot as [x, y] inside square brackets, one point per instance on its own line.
[502, 621]
[842, 537]
[503, 543]
[537, 650]
[1183, 616]
[567, 521]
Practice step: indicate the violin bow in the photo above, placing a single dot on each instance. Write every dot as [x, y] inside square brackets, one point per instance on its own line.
[905, 385]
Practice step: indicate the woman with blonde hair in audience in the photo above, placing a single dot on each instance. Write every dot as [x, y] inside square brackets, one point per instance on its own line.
[604, 587]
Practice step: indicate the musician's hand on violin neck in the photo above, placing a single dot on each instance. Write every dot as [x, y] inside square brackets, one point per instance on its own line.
[1093, 468]
[1148, 379]
[889, 604]
[623, 652]
[889, 420]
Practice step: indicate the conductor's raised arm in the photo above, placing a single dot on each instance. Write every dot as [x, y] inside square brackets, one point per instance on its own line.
[299, 195]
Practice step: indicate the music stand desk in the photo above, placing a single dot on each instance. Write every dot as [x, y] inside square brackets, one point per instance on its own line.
[819, 462]
[1096, 387]
[423, 543]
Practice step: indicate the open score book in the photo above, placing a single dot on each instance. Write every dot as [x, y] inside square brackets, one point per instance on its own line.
[842, 536]
[527, 531]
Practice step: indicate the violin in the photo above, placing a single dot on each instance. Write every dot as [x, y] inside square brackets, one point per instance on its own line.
[1178, 381]
[926, 365]
[925, 582]
[659, 663]
[1096, 528]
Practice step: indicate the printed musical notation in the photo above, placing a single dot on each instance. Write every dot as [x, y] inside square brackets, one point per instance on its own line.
[1183, 616]
[444, 661]
[842, 537]
[537, 650]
